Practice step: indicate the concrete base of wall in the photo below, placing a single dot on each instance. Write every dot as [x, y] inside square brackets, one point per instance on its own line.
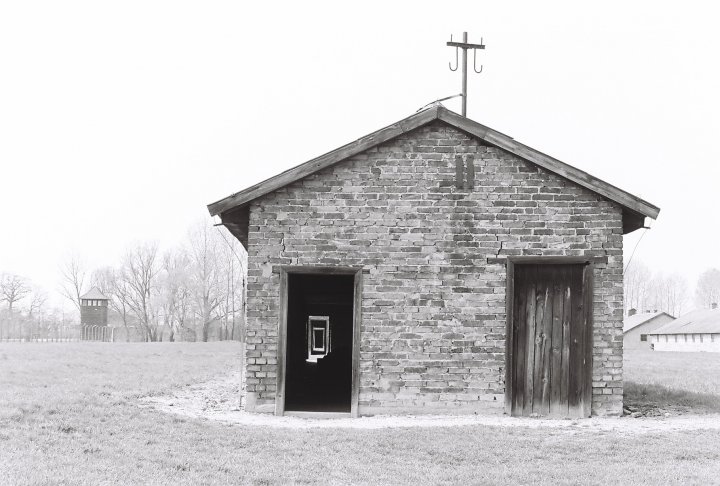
[251, 404]
[426, 410]
[484, 408]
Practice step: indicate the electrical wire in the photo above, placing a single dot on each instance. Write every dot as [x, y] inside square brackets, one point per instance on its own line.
[240, 260]
[438, 101]
[636, 246]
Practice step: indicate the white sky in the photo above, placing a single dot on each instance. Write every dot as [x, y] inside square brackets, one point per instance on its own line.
[120, 121]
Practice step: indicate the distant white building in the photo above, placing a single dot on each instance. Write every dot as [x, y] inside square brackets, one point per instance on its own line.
[637, 327]
[695, 331]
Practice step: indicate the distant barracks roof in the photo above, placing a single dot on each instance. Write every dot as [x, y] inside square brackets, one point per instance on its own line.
[94, 294]
[635, 209]
[631, 322]
[703, 321]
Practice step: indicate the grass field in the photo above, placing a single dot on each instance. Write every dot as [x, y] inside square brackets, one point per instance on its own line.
[68, 415]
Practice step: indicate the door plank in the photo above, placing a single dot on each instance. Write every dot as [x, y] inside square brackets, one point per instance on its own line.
[541, 292]
[556, 343]
[530, 339]
[565, 347]
[549, 276]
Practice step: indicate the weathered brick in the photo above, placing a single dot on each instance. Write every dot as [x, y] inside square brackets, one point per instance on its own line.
[433, 308]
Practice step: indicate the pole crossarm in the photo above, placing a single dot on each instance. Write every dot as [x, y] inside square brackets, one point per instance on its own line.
[465, 45]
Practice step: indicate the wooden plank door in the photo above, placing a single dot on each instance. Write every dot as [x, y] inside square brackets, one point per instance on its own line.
[551, 341]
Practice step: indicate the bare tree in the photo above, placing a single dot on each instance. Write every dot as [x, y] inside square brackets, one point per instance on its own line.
[205, 276]
[37, 301]
[677, 294]
[38, 298]
[110, 283]
[707, 291]
[636, 286]
[72, 275]
[13, 288]
[139, 275]
[667, 293]
[183, 307]
[175, 291]
[234, 263]
[645, 290]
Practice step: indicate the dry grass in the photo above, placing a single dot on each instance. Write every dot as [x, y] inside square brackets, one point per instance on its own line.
[676, 381]
[68, 415]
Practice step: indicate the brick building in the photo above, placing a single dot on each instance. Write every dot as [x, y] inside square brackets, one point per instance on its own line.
[434, 266]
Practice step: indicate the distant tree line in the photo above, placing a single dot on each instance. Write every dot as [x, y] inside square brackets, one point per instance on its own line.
[645, 290]
[707, 291]
[172, 293]
[26, 313]
[181, 293]
[648, 291]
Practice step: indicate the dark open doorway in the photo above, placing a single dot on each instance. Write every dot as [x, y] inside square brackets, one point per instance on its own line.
[318, 365]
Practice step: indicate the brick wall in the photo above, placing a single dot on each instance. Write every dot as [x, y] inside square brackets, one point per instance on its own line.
[433, 308]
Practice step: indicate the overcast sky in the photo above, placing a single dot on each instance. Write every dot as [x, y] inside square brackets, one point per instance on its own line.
[121, 121]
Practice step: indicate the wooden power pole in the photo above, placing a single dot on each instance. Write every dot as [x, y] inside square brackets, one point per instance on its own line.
[465, 46]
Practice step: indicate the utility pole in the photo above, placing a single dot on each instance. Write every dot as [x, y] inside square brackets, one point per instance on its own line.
[465, 46]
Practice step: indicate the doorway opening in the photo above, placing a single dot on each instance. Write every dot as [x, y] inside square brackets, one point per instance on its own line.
[319, 344]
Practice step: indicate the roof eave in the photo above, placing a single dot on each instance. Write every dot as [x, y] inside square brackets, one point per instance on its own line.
[326, 160]
[562, 169]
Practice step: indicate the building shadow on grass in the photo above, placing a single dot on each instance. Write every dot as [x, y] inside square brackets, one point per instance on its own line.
[650, 399]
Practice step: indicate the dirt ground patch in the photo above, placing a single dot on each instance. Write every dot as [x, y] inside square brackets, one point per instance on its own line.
[219, 400]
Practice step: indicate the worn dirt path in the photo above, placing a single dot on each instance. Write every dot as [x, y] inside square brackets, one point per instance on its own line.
[218, 399]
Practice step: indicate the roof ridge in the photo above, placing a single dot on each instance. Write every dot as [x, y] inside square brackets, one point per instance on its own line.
[637, 208]
[94, 293]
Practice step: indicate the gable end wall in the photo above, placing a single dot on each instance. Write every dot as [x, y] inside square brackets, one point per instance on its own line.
[433, 308]
[631, 339]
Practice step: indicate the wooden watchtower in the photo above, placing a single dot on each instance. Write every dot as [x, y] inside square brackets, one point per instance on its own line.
[94, 308]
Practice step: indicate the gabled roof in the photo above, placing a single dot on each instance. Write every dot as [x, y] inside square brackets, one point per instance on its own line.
[635, 209]
[696, 322]
[631, 322]
[95, 294]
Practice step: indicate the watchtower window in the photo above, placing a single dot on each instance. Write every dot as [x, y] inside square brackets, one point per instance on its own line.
[94, 303]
